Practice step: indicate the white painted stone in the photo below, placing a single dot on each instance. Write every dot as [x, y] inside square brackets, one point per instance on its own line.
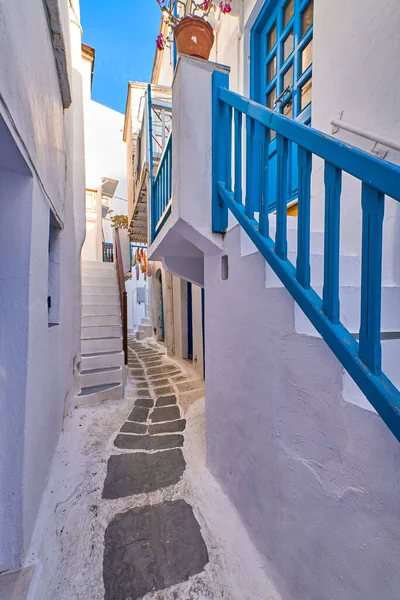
[100, 331]
[101, 309]
[91, 299]
[100, 377]
[90, 321]
[107, 345]
[98, 361]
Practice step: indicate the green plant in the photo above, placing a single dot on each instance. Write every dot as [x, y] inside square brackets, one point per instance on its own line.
[120, 221]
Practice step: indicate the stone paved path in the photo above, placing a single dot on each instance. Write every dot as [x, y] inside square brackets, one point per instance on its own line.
[151, 547]
[129, 512]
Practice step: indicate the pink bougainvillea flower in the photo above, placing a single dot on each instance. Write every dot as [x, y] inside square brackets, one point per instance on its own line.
[225, 6]
[160, 42]
[206, 4]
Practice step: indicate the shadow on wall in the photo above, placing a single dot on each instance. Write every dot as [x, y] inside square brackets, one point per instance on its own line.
[16, 186]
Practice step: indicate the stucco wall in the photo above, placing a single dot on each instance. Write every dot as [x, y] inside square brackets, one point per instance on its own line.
[315, 479]
[38, 370]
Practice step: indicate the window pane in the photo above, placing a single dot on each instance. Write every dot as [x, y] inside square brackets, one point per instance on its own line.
[307, 18]
[306, 57]
[271, 38]
[305, 94]
[271, 98]
[288, 12]
[288, 78]
[271, 69]
[287, 110]
[288, 46]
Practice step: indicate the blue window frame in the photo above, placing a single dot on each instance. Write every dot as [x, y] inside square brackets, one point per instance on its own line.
[281, 72]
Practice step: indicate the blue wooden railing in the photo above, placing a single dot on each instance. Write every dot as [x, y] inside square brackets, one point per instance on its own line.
[108, 252]
[162, 191]
[362, 359]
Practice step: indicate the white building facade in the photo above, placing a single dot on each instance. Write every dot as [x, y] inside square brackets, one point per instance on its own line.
[296, 444]
[42, 229]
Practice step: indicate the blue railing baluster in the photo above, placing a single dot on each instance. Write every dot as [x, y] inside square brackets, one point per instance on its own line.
[250, 187]
[238, 155]
[282, 149]
[264, 200]
[333, 188]
[161, 192]
[371, 277]
[220, 129]
[378, 178]
[303, 230]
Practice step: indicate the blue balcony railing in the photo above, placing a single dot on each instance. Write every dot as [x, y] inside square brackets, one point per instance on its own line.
[162, 191]
[362, 358]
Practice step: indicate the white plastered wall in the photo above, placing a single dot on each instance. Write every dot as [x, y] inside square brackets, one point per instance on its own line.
[50, 140]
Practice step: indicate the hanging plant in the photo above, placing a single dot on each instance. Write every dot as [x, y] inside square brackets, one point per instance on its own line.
[192, 31]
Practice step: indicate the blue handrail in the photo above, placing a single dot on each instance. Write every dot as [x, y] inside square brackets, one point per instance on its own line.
[162, 191]
[362, 359]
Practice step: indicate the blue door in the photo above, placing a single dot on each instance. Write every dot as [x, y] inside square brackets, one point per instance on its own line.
[281, 73]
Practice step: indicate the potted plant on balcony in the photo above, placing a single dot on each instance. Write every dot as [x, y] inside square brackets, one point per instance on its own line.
[193, 33]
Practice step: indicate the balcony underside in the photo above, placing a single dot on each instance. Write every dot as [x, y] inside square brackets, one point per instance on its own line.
[181, 248]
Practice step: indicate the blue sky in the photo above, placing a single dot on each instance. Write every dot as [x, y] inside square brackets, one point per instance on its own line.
[123, 32]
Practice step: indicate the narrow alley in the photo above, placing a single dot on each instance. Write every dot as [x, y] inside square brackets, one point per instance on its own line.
[131, 511]
[199, 300]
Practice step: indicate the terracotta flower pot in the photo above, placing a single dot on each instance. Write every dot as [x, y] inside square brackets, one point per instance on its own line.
[194, 37]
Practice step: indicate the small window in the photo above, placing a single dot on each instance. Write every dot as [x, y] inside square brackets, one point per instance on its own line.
[288, 12]
[224, 268]
[305, 94]
[271, 69]
[288, 78]
[306, 57]
[288, 46]
[53, 293]
[307, 18]
[271, 97]
[271, 38]
[90, 200]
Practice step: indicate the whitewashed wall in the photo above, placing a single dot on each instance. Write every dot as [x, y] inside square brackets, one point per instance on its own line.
[37, 371]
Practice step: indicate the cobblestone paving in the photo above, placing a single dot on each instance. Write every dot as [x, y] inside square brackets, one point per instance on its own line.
[156, 546]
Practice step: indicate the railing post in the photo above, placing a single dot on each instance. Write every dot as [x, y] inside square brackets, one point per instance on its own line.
[373, 203]
[221, 160]
[150, 142]
[330, 293]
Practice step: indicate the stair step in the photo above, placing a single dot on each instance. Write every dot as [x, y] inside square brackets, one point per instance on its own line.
[111, 298]
[97, 377]
[349, 268]
[101, 345]
[92, 320]
[100, 331]
[350, 300]
[97, 264]
[99, 289]
[99, 370]
[99, 393]
[104, 279]
[96, 309]
[102, 360]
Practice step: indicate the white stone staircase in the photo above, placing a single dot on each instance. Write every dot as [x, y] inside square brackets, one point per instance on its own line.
[349, 294]
[101, 370]
[145, 329]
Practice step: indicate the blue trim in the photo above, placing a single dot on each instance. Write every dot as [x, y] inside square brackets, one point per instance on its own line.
[362, 360]
[220, 129]
[150, 142]
[162, 190]
[189, 321]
